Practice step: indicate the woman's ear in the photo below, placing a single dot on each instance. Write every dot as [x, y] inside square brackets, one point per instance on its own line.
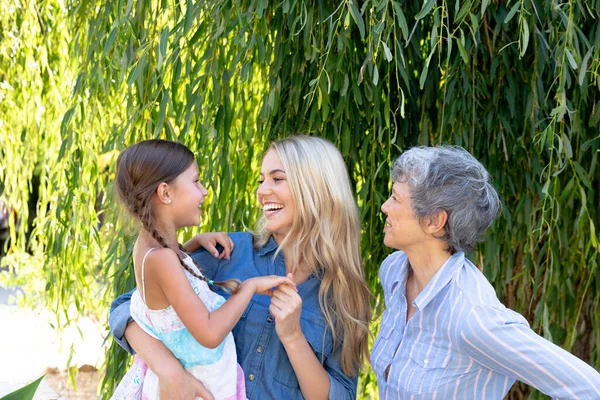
[436, 223]
[162, 192]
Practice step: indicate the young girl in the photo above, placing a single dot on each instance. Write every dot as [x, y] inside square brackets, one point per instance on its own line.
[157, 180]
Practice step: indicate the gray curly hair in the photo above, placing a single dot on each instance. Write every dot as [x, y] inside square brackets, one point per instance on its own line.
[449, 178]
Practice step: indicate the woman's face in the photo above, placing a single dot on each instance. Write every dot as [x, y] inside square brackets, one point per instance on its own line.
[402, 227]
[275, 197]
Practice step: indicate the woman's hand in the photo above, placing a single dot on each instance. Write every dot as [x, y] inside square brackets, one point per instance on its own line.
[181, 385]
[209, 241]
[286, 307]
[265, 284]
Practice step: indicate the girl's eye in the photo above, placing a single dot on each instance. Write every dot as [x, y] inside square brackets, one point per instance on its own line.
[278, 179]
[261, 181]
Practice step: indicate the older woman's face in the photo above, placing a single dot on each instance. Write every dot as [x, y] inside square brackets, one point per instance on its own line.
[275, 197]
[402, 227]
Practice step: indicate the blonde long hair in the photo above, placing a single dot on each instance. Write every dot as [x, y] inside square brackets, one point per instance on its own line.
[325, 238]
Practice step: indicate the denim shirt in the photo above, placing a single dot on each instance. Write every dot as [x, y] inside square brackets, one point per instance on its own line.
[268, 371]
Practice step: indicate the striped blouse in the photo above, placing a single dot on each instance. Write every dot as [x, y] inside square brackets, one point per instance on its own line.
[462, 343]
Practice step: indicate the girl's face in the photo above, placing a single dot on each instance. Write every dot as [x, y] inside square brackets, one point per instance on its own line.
[275, 197]
[187, 195]
[402, 227]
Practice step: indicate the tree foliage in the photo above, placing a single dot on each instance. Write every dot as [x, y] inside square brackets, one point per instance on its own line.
[517, 83]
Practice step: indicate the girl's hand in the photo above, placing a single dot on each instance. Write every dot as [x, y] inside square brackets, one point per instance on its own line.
[286, 307]
[209, 241]
[265, 284]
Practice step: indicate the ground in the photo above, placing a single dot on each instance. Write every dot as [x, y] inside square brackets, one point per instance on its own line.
[30, 347]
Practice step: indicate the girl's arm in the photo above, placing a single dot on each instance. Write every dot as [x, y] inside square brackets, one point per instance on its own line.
[501, 340]
[314, 380]
[208, 328]
[174, 381]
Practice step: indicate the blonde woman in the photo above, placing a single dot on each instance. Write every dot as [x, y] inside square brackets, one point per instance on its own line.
[289, 345]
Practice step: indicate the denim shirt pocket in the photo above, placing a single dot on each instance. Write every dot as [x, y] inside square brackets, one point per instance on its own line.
[243, 326]
[318, 336]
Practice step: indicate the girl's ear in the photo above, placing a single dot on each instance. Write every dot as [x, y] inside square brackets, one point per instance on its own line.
[435, 224]
[162, 192]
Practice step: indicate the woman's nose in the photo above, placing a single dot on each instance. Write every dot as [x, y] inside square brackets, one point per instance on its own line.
[263, 189]
[384, 207]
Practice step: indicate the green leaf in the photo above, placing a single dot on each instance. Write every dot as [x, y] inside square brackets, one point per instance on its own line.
[189, 17]
[593, 237]
[26, 392]
[109, 41]
[484, 4]
[524, 37]
[425, 10]
[582, 175]
[512, 12]
[387, 52]
[401, 20]
[584, 65]
[571, 59]
[358, 19]
[423, 76]
[567, 146]
[463, 11]
[461, 47]
[595, 118]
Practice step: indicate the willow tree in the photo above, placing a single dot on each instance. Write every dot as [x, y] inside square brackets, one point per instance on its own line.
[517, 83]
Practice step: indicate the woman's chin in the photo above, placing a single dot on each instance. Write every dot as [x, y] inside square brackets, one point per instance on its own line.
[389, 242]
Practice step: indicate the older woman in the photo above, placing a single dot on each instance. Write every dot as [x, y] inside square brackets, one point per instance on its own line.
[444, 333]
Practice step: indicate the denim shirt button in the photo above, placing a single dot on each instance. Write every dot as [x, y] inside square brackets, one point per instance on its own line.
[259, 349]
[269, 319]
[251, 377]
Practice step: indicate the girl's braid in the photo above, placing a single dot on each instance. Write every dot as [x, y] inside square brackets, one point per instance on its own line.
[230, 285]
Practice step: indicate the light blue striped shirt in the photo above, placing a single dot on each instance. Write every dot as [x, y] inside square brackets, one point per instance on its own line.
[462, 343]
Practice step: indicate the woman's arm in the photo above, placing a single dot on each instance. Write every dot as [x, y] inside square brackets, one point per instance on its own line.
[316, 381]
[502, 341]
[174, 381]
[210, 241]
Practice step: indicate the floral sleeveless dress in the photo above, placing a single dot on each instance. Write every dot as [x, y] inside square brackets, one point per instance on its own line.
[216, 368]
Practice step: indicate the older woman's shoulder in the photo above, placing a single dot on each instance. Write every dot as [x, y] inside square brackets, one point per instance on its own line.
[476, 289]
[392, 267]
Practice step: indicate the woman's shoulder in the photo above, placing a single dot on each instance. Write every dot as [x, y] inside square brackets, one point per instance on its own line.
[392, 264]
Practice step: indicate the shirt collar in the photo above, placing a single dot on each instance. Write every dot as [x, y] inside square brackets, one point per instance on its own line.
[269, 247]
[440, 279]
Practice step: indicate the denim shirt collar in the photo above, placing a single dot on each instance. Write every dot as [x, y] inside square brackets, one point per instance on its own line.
[269, 247]
[440, 279]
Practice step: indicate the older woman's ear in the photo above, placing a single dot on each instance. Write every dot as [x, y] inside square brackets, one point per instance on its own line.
[435, 224]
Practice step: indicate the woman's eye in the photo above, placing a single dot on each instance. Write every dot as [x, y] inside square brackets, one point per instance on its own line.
[278, 179]
[261, 181]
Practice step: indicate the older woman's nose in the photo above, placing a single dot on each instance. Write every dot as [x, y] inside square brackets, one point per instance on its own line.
[384, 207]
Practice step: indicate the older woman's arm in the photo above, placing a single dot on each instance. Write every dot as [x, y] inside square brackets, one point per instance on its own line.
[501, 340]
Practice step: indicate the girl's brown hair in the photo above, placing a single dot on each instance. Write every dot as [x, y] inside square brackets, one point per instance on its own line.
[141, 168]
